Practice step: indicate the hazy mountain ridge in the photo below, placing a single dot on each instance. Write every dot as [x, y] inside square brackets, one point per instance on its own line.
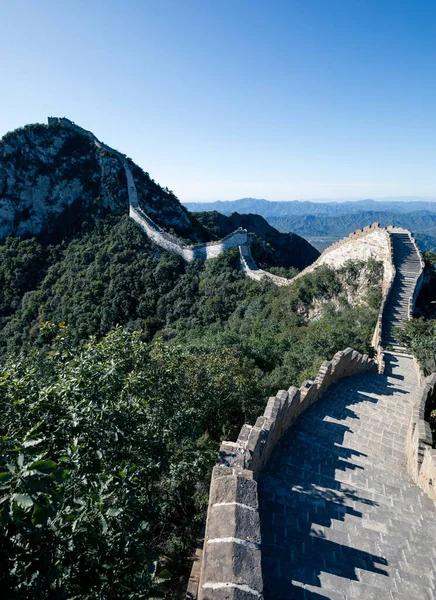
[341, 225]
[268, 208]
[323, 223]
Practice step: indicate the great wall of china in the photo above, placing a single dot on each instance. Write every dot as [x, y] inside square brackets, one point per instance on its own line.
[331, 493]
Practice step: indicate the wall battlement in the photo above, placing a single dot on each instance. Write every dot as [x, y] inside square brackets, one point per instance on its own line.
[171, 243]
[231, 561]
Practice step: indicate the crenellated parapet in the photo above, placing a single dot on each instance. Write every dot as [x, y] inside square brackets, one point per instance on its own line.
[231, 560]
[172, 243]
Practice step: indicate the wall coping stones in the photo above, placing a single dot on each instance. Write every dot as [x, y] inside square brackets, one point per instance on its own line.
[231, 565]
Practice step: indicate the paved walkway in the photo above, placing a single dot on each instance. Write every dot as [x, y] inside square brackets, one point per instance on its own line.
[340, 517]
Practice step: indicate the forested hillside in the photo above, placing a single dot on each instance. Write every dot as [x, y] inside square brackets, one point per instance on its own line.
[109, 441]
[270, 248]
[122, 367]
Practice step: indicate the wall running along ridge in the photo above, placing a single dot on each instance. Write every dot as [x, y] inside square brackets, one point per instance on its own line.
[174, 244]
[250, 268]
[372, 241]
[388, 281]
[231, 561]
[160, 237]
[420, 277]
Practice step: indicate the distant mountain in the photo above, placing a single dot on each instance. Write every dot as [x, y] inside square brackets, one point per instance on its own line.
[271, 247]
[323, 223]
[267, 208]
[341, 225]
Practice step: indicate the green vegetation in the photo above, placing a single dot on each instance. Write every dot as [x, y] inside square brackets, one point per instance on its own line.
[108, 442]
[106, 453]
[419, 336]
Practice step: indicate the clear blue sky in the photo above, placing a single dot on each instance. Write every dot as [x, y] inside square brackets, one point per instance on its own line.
[220, 99]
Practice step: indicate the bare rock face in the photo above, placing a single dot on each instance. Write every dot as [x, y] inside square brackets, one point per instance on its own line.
[45, 169]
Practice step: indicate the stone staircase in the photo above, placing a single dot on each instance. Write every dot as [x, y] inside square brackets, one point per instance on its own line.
[396, 313]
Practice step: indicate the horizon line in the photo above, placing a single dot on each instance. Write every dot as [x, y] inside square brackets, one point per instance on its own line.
[324, 200]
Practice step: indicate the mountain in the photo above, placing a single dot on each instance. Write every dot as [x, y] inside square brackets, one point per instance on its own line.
[124, 366]
[278, 249]
[52, 176]
[268, 208]
[342, 225]
[323, 223]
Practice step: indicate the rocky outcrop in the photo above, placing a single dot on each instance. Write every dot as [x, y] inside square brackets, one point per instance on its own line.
[45, 169]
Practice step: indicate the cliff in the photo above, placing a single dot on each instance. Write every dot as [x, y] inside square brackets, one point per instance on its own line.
[48, 170]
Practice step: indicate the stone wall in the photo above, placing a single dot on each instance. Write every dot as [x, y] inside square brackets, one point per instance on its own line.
[388, 281]
[362, 244]
[250, 268]
[421, 456]
[174, 244]
[371, 242]
[231, 562]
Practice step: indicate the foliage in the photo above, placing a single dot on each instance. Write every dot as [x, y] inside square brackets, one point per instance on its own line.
[105, 454]
[107, 442]
[419, 336]
[112, 275]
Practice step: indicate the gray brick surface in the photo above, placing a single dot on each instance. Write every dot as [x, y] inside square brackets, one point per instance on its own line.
[340, 517]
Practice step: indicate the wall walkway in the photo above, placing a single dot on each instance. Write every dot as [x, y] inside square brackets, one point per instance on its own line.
[340, 518]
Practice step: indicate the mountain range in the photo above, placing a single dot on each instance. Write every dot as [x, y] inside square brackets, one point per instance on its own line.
[323, 223]
[268, 208]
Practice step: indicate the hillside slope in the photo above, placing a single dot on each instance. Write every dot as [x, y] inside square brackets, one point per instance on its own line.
[123, 366]
[279, 249]
[51, 176]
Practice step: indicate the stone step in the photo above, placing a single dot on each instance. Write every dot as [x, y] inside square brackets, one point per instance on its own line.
[396, 307]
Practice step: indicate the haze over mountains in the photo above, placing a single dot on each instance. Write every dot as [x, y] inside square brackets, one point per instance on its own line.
[269, 208]
[322, 223]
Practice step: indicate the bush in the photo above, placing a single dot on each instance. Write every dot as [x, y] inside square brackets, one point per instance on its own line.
[106, 451]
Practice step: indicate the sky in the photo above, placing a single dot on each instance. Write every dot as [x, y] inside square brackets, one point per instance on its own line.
[222, 99]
